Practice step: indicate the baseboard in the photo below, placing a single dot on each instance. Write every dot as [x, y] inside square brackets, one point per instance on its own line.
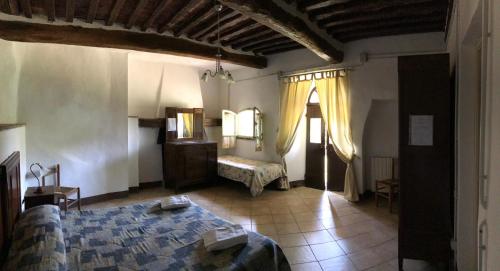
[298, 183]
[134, 189]
[150, 184]
[104, 197]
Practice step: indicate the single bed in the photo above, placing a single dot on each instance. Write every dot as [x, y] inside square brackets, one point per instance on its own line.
[135, 237]
[253, 173]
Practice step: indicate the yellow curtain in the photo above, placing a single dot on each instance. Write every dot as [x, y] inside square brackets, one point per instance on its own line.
[188, 124]
[292, 105]
[333, 95]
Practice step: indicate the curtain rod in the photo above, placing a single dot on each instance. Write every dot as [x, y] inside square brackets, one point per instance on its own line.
[317, 70]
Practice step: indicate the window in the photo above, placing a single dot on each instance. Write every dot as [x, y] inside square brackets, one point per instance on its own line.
[246, 124]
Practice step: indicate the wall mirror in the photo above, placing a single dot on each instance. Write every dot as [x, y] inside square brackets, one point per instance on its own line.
[185, 125]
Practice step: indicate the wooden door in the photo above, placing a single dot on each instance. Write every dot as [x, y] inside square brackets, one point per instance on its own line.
[315, 148]
[336, 169]
[426, 168]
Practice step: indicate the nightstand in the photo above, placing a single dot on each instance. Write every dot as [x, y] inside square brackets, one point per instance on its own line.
[32, 199]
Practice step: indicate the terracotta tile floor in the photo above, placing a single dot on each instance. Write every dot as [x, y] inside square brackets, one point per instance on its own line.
[317, 230]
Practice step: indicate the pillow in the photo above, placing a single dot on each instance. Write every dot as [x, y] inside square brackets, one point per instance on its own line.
[38, 241]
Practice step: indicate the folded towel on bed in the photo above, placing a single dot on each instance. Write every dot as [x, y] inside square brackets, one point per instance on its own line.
[175, 202]
[225, 237]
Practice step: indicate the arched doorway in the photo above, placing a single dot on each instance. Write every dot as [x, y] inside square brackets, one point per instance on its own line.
[324, 169]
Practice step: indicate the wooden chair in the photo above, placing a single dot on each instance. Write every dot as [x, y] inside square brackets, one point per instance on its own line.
[62, 192]
[387, 188]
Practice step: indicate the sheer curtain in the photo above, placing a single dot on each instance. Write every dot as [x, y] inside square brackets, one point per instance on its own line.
[333, 94]
[293, 99]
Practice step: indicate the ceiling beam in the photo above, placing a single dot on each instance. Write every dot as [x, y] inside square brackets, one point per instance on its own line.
[279, 44]
[115, 11]
[356, 7]
[258, 39]
[366, 17]
[70, 10]
[180, 14]
[136, 13]
[273, 16]
[50, 9]
[74, 35]
[317, 4]
[250, 35]
[241, 27]
[390, 31]
[202, 16]
[282, 48]
[93, 6]
[383, 24]
[210, 25]
[159, 10]
[265, 44]
[26, 6]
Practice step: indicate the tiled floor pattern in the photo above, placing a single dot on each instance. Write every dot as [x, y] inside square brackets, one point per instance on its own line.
[317, 230]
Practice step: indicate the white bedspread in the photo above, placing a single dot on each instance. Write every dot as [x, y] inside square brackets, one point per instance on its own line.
[254, 174]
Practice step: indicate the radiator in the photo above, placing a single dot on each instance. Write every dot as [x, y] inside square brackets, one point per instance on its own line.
[382, 168]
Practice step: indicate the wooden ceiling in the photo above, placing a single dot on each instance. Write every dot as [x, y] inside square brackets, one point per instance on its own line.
[256, 27]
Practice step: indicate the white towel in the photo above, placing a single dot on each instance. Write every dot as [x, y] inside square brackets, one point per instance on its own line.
[175, 202]
[226, 237]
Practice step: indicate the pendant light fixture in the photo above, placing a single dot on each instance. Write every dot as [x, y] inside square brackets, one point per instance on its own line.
[219, 71]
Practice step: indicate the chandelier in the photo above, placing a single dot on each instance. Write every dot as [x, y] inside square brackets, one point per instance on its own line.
[219, 71]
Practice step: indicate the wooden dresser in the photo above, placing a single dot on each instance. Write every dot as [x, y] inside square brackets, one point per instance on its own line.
[189, 162]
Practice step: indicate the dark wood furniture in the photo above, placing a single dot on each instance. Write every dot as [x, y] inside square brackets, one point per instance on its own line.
[32, 199]
[68, 195]
[10, 200]
[426, 169]
[387, 189]
[189, 162]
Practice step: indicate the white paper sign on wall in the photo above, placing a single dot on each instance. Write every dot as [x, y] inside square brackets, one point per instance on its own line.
[421, 130]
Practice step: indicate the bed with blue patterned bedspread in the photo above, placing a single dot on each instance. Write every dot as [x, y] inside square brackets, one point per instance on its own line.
[145, 237]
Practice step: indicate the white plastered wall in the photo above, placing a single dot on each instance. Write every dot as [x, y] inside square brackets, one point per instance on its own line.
[152, 86]
[376, 79]
[74, 103]
[8, 83]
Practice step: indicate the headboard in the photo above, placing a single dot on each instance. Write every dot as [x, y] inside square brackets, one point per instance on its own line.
[10, 199]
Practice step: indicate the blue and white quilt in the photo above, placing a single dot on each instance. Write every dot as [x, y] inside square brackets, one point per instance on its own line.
[145, 237]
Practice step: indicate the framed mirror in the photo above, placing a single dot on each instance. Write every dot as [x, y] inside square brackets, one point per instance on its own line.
[184, 123]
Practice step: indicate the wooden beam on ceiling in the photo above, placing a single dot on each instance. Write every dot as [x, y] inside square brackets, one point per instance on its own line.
[189, 7]
[250, 35]
[284, 43]
[50, 9]
[93, 6]
[70, 10]
[308, 5]
[231, 18]
[202, 16]
[136, 13]
[266, 43]
[26, 7]
[383, 24]
[115, 11]
[356, 7]
[235, 30]
[156, 13]
[74, 35]
[273, 16]
[210, 25]
[367, 17]
[259, 39]
[390, 31]
[283, 48]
